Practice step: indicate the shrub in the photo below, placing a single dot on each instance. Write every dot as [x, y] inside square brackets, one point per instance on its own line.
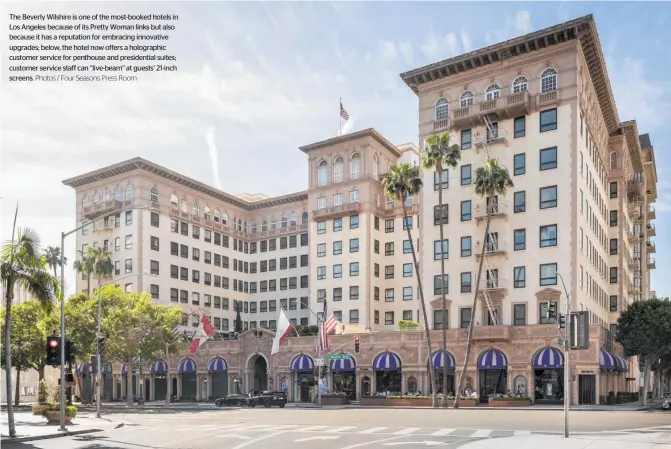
[70, 410]
[43, 392]
[508, 398]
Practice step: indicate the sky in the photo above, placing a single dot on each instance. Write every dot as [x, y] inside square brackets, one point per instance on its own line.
[258, 80]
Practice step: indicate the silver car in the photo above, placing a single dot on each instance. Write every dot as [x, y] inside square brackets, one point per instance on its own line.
[666, 402]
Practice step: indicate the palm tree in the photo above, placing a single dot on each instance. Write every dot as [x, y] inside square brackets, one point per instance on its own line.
[399, 183]
[52, 255]
[22, 266]
[84, 265]
[488, 181]
[440, 155]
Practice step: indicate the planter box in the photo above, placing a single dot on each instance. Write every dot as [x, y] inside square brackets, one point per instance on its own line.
[334, 400]
[39, 408]
[520, 403]
[55, 417]
[412, 402]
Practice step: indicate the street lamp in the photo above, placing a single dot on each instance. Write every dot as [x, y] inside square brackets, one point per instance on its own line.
[62, 427]
[567, 370]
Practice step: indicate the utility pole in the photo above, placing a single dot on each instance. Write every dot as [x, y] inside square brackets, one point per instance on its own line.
[567, 348]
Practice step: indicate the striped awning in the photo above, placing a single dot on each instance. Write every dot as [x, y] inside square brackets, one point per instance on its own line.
[343, 365]
[186, 366]
[387, 361]
[439, 358]
[492, 359]
[158, 368]
[607, 360]
[302, 364]
[217, 365]
[622, 364]
[124, 369]
[548, 358]
[84, 368]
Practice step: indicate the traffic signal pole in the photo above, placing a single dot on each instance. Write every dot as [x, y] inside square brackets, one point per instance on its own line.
[99, 388]
[62, 427]
[567, 369]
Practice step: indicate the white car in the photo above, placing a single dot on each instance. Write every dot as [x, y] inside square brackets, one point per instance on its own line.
[666, 402]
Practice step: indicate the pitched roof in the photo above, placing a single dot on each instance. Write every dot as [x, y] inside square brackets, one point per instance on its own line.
[370, 132]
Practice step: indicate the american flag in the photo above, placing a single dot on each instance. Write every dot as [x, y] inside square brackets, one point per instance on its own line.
[343, 112]
[327, 323]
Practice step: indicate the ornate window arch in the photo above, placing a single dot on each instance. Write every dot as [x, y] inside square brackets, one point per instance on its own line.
[107, 197]
[441, 109]
[520, 84]
[548, 80]
[217, 215]
[293, 219]
[195, 210]
[85, 201]
[224, 219]
[264, 225]
[253, 227]
[284, 221]
[273, 224]
[118, 194]
[355, 166]
[613, 160]
[304, 218]
[96, 198]
[466, 99]
[207, 213]
[244, 227]
[338, 169]
[322, 173]
[174, 201]
[493, 91]
[153, 195]
[183, 206]
[129, 192]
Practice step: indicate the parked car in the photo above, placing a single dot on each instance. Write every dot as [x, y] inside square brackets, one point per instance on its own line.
[666, 402]
[271, 398]
[235, 399]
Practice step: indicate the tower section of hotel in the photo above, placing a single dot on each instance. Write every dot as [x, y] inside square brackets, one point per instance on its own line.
[542, 104]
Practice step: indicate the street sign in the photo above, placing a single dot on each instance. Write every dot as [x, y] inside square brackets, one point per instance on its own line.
[138, 362]
[339, 357]
[319, 362]
[560, 342]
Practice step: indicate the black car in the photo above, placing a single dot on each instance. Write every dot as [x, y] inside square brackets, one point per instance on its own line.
[235, 399]
[271, 398]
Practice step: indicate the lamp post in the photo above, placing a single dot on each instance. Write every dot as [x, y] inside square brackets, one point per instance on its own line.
[567, 370]
[62, 427]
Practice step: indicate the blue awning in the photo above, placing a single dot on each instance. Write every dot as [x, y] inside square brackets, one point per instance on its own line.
[159, 368]
[607, 360]
[186, 366]
[343, 365]
[124, 369]
[302, 364]
[622, 364]
[387, 361]
[439, 358]
[548, 358]
[492, 359]
[217, 365]
[84, 368]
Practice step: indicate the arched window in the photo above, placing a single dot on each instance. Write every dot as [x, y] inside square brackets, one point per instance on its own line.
[208, 213]
[493, 92]
[153, 195]
[273, 224]
[304, 218]
[224, 219]
[173, 201]
[244, 227]
[355, 166]
[195, 210]
[376, 166]
[613, 160]
[284, 221]
[96, 198]
[129, 192]
[338, 170]
[548, 80]
[253, 227]
[466, 99]
[118, 195]
[85, 201]
[217, 217]
[293, 219]
[520, 84]
[322, 174]
[264, 225]
[108, 196]
[183, 206]
[442, 109]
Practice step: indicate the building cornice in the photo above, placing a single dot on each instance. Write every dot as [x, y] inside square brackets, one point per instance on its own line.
[370, 132]
[138, 163]
[630, 129]
[582, 30]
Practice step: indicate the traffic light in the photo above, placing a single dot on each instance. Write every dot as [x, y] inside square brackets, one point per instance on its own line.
[53, 350]
[356, 344]
[562, 321]
[70, 352]
[552, 310]
[316, 369]
[101, 345]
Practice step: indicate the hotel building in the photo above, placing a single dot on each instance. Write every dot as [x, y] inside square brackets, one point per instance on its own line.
[578, 221]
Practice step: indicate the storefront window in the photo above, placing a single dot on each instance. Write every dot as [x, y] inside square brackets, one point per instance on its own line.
[412, 385]
[521, 386]
[388, 381]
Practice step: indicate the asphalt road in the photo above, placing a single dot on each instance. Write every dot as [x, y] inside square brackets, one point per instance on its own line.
[350, 428]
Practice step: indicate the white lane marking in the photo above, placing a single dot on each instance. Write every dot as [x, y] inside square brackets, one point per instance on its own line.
[340, 429]
[229, 435]
[442, 432]
[322, 437]
[406, 431]
[373, 430]
[425, 443]
[371, 442]
[312, 428]
[519, 433]
[481, 433]
[240, 446]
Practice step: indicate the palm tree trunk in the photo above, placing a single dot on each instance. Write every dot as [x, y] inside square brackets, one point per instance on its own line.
[443, 293]
[469, 341]
[88, 284]
[421, 296]
[17, 390]
[8, 356]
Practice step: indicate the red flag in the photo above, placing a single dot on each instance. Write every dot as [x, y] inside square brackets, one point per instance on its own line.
[203, 333]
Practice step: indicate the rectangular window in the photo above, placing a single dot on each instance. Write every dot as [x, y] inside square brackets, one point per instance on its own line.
[337, 224]
[613, 247]
[465, 317]
[389, 318]
[354, 222]
[520, 127]
[389, 295]
[438, 321]
[466, 210]
[337, 271]
[548, 120]
[354, 268]
[444, 183]
[613, 218]
[354, 245]
[613, 275]
[548, 158]
[548, 274]
[153, 267]
[465, 247]
[407, 270]
[466, 282]
[520, 199]
[519, 162]
[466, 175]
[321, 250]
[544, 314]
[519, 276]
[388, 226]
[613, 189]
[466, 139]
[519, 315]
[321, 273]
[548, 236]
[154, 243]
[389, 249]
[548, 197]
[353, 316]
[155, 219]
[337, 248]
[440, 283]
[321, 227]
[353, 292]
[441, 215]
[520, 236]
[441, 251]
[407, 293]
[389, 272]
[613, 303]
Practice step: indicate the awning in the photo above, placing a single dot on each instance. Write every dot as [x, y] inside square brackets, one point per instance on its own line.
[548, 358]
[186, 366]
[302, 364]
[159, 368]
[124, 369]
[607, 360]
[622, 364]
[492, 359]
[439, 358]
[84, 368]
[347, 365]
[387, 361]
[217, 365]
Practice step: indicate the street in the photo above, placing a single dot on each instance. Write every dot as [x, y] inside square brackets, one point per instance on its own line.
[232, 428]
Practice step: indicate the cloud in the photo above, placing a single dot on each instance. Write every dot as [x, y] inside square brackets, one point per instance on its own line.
[513, 27]
[466, 41]
[214, 155]
[442, 47]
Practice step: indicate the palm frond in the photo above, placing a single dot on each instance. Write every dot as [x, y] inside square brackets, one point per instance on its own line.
[491, 179]
[439, 153]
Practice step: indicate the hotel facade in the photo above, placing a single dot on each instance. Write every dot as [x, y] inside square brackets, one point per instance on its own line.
[578, 222]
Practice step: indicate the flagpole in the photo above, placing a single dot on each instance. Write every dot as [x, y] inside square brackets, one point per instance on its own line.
[340, 118]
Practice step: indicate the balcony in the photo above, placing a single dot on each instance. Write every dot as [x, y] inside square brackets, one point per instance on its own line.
[496, 290]
[396, 211]
[651, 263]
[651, 212]
[507, 105]
[634, 187]
[336, 211]
[102, 208]
[632, 288]
[632, 262]
[499, 209]
[492, 333]
[499, 135]
[441, 124]
[633, 237]
[496, 248]
[650, 245]
[650, 230]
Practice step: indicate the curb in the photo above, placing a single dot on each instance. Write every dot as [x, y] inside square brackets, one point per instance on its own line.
[9, 440]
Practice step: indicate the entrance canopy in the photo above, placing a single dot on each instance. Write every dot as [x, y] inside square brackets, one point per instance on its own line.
[492, 359]
[217, 365]
[439, 358]
[607, 360]
[158, 368]
[347, 365]
[186, 366]
[84, 368]
[622, 364]
[548, 358]
[302, 364]
[387, 361]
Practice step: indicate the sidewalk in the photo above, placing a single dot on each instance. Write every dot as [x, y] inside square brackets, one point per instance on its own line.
[558, 442]
[575, 408]
[34, 427]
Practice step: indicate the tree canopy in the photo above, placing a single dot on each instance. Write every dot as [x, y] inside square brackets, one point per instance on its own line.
[29, 336]
[644, 328]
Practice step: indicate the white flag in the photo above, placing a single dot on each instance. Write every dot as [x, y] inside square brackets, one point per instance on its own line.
[283, 330]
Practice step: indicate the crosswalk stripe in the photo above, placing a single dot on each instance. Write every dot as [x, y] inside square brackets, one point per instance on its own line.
[313, 428]
[442, 432]
[373, 430]
[340, 429]
[481, 433]
[407, 431]
[519, 433]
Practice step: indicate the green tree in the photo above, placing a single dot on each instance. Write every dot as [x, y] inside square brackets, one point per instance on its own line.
[644, 330]
[488, 182]
[84, 265]
[441, 155]
[52, 255]
[21, 266]
[400, 183]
